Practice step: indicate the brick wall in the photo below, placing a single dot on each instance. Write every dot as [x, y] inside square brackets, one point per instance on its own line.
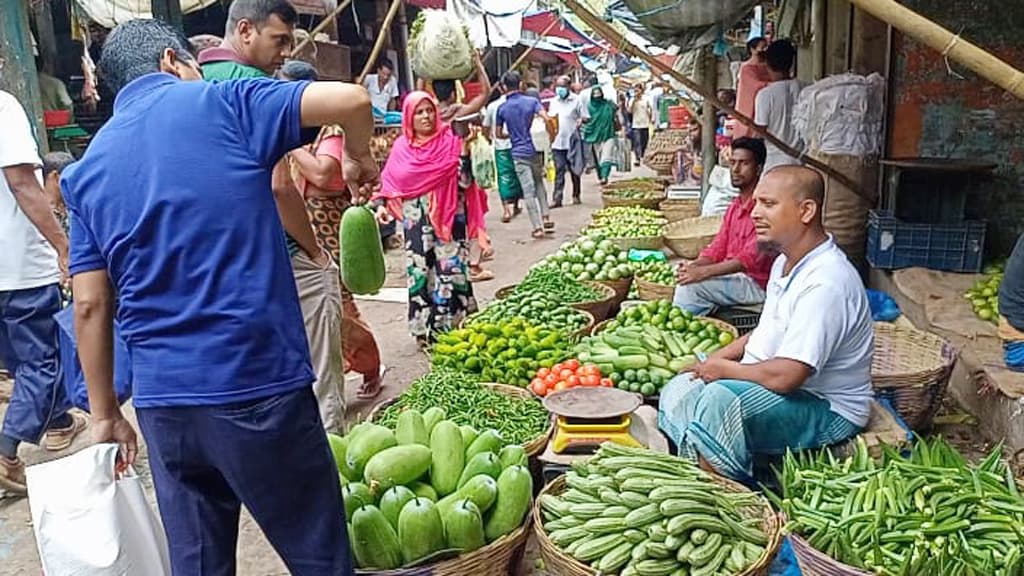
[939, 114]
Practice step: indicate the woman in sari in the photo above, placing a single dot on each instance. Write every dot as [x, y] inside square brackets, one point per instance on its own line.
[427, 183]
[600, 131]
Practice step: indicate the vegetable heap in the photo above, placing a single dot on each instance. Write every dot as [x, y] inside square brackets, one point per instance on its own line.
[539, 308]
[638, 358]
[931, 513]
[558, 285]
[507, 352]
[518, 420]
[590, 257]
[701, 335]
[568, 374]
[428, 486]
[627, 222]
[656, 271]
[635, 193]
[984, 295]
[632, 512]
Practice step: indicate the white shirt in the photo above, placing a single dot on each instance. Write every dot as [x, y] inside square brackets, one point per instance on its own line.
[490, 113]
[773, 107]
[641, 110]
[819, 316]
[381, 98]
[569, 112]
[28, 260]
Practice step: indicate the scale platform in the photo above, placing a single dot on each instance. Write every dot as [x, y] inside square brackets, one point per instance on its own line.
[586, 417]
[583, 436]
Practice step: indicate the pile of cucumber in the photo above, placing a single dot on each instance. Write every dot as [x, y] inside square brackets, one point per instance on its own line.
[639, 359]
[633, 512]
[429, 489]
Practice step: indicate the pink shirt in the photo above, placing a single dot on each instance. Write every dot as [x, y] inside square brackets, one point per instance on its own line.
[752, 77]
[737, 240]
[330, 146]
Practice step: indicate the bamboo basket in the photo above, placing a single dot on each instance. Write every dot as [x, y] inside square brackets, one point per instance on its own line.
[495, 559]
[637, 184]
[611, 200]
[653, 291]
[558, 562]
[640, 243]
[687, 237]
[680, 209]
[722, 325]
[911, 369]
[813, 562]
[532, 448]
[621, 288]
[597, 308]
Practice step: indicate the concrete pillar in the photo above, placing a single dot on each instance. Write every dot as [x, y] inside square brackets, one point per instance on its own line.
[17, 65]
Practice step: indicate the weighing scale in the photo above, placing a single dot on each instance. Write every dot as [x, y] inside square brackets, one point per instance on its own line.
[586, 417]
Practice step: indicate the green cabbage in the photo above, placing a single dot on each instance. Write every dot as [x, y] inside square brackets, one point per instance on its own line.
[439, 48]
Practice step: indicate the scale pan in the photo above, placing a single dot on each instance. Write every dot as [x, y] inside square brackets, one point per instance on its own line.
[592, 403]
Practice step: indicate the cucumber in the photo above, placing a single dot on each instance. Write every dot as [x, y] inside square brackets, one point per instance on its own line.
[469, 434]
[392, 502]
[374, 542]
[512, 455]
[515, 491]
[355, 496]
[464, 526]
[365, 445]
[420, 530]
[631, 362]
[487, 441]
[399, 465]
[431, 417]
[447, 457]
[362, 256]
[410, 429]
[483, 463]
[423, 490]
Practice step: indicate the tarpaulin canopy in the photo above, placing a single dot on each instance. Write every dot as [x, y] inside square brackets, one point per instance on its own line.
[110, 13]
[557, 47]
[682, 22]
[556, 25]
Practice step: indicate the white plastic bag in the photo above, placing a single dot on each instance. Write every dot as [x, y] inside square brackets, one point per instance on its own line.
[720, 194]
[89, 523]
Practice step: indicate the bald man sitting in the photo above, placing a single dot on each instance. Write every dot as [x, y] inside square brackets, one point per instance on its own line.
[802, 378]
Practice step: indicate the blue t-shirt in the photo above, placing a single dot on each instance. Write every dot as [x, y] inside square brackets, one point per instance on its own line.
[173, 200]
[517, 114]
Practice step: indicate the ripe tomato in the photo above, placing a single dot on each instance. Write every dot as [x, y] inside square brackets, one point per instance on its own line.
[585, 370]
[561, 386]
[573, 381]
[565, 373]
[543, 372]
[550, 380]
[607, 383]
[557, 368]
[573, 364]
[539, 387]
[591, 380]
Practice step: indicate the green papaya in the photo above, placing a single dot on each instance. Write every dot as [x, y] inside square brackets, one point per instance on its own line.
[512, 455]
[355, 496]
[481, 489]
[469, 434]
[447, 457]
[398, 465]
[339, 445]
[432, 416]
[392, 502]
[487, 441]
[374, 541]
[515, 490]
[423, 490]
[483, 463]
[363, 446]
[362, 256]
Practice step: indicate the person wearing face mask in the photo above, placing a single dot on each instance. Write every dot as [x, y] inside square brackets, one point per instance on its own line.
[600, 132]
[567, 147]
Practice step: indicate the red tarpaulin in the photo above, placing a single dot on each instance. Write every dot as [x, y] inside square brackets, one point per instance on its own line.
[436, 4]
[538, 23]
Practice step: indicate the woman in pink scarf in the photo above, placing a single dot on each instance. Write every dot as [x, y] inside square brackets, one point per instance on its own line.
[427, 183]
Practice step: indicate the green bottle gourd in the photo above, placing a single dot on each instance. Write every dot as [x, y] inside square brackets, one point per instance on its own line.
[362, 256]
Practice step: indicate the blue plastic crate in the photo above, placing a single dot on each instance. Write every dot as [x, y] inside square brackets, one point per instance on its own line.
[893, 244]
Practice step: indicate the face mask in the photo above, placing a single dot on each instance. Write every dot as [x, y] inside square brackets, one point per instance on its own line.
[562, 92]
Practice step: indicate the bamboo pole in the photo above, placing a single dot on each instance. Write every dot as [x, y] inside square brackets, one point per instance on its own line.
[951, 45]
[382, 36]
[320, 27]
[613, 36]
[529, 49]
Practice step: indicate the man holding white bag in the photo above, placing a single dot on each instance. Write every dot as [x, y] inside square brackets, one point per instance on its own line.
[171, 208]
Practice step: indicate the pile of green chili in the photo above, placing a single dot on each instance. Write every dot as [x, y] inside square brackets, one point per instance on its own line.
[553, 282]
[517, 419]
[929, 513]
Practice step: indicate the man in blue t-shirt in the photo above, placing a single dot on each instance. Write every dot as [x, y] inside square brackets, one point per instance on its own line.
[171, 209]
[513, 121]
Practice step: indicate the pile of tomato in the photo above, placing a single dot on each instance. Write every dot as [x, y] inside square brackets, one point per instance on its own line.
[568, 374]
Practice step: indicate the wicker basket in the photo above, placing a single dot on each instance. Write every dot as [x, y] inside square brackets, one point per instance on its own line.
[558, 562]
[653, 291]
[611, 200]
[686, 238]
[532, 448]
[721, 325]
[680, 209]
[505, 291]
[599, 309]
[911, 370]
[637, 184]
[660, 162]
[640, 243]
[816, 563]
[621, 287]
[496, 559]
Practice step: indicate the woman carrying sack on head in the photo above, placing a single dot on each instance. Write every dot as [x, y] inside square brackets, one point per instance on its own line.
[600, 132]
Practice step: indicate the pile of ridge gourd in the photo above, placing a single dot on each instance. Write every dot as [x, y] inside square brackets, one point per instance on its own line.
[634, 512]
[428, 489]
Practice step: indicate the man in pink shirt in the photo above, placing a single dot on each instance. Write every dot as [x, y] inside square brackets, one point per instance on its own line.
[753, 76]
[733, 270]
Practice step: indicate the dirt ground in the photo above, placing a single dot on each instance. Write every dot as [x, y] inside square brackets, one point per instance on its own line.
[515, 252]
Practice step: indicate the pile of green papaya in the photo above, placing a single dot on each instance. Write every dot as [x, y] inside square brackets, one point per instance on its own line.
[428, 489]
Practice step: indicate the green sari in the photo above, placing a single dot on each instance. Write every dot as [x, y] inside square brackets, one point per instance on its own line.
[599, 132]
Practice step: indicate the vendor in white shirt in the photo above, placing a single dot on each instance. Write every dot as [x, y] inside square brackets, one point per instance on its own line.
[802, 378]
[383, 87]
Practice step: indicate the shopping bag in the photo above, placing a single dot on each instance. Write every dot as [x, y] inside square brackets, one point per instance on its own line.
[481, 155]
[88, 522]
[74, 379]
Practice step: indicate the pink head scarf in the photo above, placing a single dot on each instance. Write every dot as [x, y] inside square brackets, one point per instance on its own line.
[431, 166]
